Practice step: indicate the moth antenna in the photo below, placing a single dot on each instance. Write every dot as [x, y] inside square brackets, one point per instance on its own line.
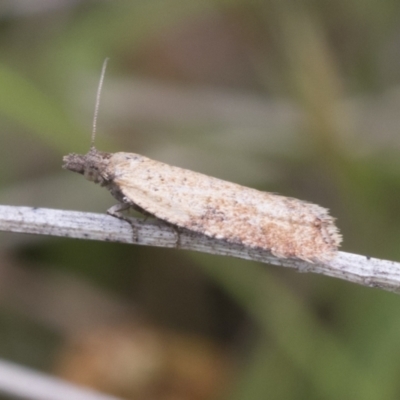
[96, 108]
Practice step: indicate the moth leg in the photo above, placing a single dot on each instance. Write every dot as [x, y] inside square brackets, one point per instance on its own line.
[178, 238]
[116, 211]
[177, 233]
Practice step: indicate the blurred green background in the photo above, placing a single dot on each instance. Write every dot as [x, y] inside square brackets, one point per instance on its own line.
[300, 98]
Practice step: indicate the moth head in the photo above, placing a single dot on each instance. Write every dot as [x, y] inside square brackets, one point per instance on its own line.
[92, 165]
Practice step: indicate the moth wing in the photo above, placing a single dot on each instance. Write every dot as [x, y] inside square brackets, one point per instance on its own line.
[287, 227]
[169, 193]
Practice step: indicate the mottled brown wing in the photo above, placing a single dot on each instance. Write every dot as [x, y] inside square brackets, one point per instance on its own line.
[287, 227]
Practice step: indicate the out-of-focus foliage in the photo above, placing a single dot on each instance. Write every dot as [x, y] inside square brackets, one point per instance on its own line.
[296, 97]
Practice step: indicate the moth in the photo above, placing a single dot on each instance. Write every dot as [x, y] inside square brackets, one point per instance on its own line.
[284, 226]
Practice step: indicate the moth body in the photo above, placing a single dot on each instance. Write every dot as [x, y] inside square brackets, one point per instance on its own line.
[284, 226]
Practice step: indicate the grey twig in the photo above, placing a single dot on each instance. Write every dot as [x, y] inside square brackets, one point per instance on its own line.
[28, 384]
[354, 268]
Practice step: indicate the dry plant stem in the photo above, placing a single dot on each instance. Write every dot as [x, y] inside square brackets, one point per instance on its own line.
[24, 383]
[354, 268]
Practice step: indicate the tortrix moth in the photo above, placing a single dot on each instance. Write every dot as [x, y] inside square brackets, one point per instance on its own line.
[285, 226]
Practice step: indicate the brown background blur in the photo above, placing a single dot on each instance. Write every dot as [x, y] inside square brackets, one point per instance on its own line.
[301, 98]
